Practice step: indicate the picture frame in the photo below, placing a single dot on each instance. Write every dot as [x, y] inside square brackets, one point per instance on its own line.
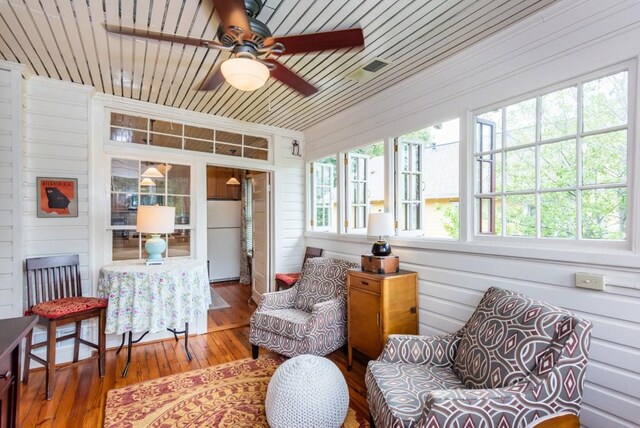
[56, 197]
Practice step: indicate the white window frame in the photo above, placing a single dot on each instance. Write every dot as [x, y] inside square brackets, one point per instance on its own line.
[399, 200]
[577, 242]
[350, 182]
[314, 168]
[111, 228]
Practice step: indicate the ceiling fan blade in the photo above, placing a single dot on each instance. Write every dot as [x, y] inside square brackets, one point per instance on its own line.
[232, 13]
[291, 79]
[213, 80]
[146, 34]
[319, 41]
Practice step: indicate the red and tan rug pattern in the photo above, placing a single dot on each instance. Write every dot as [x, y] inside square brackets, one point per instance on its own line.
[227, 395]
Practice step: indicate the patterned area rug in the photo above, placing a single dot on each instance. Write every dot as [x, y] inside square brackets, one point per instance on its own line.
[227, 395]
[217, 302]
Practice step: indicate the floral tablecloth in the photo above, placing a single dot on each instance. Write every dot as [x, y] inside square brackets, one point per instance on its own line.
[154, 298]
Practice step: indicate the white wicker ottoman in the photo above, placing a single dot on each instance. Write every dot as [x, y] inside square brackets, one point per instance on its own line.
[307, 391]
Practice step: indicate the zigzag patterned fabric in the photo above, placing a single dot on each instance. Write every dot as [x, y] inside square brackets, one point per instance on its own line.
[309, 318]
[516, 360]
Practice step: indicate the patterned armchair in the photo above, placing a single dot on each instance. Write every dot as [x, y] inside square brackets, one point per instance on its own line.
[515, 360]
[309, 318]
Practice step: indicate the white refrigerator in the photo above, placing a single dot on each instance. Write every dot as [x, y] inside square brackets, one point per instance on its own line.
[223, 240]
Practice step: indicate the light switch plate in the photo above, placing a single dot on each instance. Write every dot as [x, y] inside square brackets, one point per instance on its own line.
[590, 281]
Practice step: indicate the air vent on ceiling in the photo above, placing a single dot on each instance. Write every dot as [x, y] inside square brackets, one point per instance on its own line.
[369, 70]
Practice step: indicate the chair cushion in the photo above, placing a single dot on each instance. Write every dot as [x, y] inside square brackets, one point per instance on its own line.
[321, 279]
[288, 278]
[405, 387]
[67, 306]
[504, 339]
[290, 323]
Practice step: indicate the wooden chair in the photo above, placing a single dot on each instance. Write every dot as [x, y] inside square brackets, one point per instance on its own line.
[54, 293]
[287, 280]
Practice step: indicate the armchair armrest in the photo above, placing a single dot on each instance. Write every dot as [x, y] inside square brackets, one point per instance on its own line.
[277, 300]
[434, 350]
[328, 305]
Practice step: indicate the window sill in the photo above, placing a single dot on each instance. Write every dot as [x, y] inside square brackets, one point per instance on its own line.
[553, 252]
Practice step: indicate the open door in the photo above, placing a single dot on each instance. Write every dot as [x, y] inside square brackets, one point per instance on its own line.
[260, 210]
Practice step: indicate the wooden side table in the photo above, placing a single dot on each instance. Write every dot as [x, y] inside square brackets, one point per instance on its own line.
[379, 305]
[12, 331]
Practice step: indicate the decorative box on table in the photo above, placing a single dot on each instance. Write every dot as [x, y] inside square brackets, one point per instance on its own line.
[380, 264]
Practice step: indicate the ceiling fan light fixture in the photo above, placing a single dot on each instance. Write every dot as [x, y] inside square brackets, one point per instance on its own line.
[233, 181]
[244, 73]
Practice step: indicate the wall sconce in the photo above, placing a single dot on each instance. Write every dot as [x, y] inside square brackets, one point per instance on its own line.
[295, 148]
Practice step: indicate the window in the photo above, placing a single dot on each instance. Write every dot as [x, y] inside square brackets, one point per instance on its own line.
[135, 183]
[365, 178]
[555, 165]
[159, 133]
[427, 187]
[324, 198]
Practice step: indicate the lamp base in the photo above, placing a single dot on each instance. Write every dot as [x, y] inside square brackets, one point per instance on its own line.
[381, 248]
[155, 246]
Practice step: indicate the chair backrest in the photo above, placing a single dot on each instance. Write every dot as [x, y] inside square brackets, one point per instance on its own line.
[505, 338]
[54, 277]
[311, 252]
[322, 279]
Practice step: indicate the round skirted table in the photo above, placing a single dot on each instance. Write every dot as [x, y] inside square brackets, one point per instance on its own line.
[151, 298]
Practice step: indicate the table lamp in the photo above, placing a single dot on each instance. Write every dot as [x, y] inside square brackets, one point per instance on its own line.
[155, 220]
[380, 225]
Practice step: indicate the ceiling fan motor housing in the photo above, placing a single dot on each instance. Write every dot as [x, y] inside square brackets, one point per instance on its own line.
[259, 30]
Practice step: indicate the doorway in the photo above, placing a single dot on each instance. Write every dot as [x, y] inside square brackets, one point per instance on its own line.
[238, 203]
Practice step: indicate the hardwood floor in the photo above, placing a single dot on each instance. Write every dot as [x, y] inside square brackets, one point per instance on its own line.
[79, 395]
[238, 314]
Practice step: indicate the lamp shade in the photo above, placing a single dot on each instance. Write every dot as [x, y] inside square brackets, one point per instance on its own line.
[152, 172]
[380, 224]
[233, 181]
[155, 219]
[244, 73]
[147, 182]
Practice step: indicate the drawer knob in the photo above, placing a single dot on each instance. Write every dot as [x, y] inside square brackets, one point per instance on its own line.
[6, 375]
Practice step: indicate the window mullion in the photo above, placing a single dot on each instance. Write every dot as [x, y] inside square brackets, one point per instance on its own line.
[538, 199]
[579, 162]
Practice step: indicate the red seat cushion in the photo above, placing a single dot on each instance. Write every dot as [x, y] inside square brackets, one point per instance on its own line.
[67, 306]
[288, 278]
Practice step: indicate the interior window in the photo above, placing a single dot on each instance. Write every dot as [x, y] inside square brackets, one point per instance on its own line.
[555, 165]
[134, 183]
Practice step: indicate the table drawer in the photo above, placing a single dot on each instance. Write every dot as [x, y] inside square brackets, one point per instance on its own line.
[6, 373]
[368, 284]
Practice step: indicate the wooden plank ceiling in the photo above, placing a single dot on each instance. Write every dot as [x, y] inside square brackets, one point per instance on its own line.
[65, 39]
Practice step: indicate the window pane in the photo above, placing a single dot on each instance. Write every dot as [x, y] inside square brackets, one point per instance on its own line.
[521, 169]
[200, 133]
[521, 215]
[159, 140]
[558, 165]
[179, 243]
[123, 209]
[151, 199]
[604, 158]
[198, 146]
[326, 204]
[257, 142]
[366, 179]
[485, 142]
[125, 245]
[166, 127]
[490, 215]
[152, 180]
[228, 137]
[489, 173]
[605, 102]
[124, 175]
[179, 179]
[128, 136]
[558, 215]
[604, 214]
[182, 208]
[521, 123]
[228, 150]
[126, 121]
[559, 113]
[255, 153]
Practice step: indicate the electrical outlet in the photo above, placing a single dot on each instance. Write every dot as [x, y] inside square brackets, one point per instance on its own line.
[590, 281]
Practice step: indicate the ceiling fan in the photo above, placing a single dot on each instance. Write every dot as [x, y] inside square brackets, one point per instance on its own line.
[253, 47]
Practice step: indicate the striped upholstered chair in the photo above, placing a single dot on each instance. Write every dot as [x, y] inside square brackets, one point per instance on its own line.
[516, 360]
[310, 317]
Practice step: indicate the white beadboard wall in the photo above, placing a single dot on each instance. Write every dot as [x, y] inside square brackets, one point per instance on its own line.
[568, 39]
[10, 211]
